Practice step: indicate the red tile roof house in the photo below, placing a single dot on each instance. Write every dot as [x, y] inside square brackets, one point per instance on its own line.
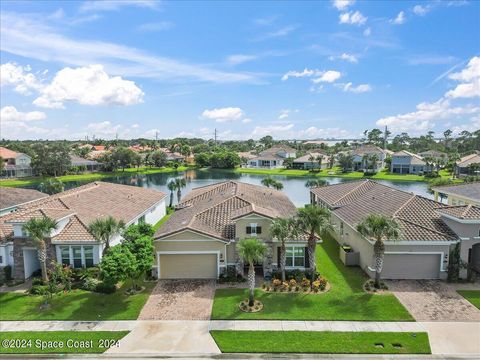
[15, 164]
[429, 229]
[71, 243]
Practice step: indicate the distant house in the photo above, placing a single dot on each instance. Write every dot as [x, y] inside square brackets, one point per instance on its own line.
[468, 165]
[459, 194]
[272, 158]
[433, 154]
[310, 161]
[90, 165]
[405, 162]
[15, 164]
[172, 155]
[140, 148]
[362, 158]
[12, 198]
[71, 243]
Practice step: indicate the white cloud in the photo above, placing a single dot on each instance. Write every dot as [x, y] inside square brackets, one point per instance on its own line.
[420, 10]
[425, 117]
[107, 130]
[240, 58]
[298, 74]
[114, 5]
[472, 126]
[246, 120]
[362, 88]
[88, 86]
[354, 18]
[469, 79]
[400, 19]
[49, 44]
[342, 4]
[329, 76]
[20, 77]
[347, 57]
[155, 26]
[313, 132]
[224, 114]
[11, 114]
[367, 32]
[273, 130]
[285, 113]
[282, 32]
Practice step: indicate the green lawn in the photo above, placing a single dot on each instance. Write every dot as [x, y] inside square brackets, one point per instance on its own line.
[345, 301]
[336, 172]
[472, 296]
[324, 342]
[162, 220]
[64, 342]
[74, 305]
[90, 176]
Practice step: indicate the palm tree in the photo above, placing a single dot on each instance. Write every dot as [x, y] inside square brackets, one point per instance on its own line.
[313, 183]
[313, 220]
[38, 229]
[374, 160]
[282, 230]
[179, 184]
[277, 185]
[172, 186]
[319, 161]
[269, 182]
[104, 229]
[251, 251]
[380, 228]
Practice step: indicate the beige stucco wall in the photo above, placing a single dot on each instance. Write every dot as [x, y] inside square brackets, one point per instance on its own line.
[241, 227]
[458, 200]
[187, 235]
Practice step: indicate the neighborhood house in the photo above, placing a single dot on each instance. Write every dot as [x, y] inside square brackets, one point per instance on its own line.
[199, 239]
[15, 164]
[71, 243]
[405, 162]
[272, 158]
[459, 194]
[369, 158]
[429, 229]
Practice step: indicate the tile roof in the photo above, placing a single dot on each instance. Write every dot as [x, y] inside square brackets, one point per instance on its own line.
[466, 212]
[85, 204]
[468, 160]
[467, 190]
[10, 196]
[7, 153]
[417, 216]
[78, 161]
[368, 149]
[306, 157]
[414, 158]
[212, 209]
[432, 153]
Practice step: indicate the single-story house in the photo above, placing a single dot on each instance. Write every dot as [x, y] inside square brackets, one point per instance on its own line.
[429, 229]
[12, 198]
[90, 165]
[310, 161]
[15, 164]
[405, 162]
[199, 239]
[272, 158]
[363, 158]
[436, 155]
[459, 194]
[468, 165]
[71, 243]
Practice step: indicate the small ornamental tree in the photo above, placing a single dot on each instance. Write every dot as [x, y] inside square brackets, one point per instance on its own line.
[136, 231]
[118, 264]
[142, 249]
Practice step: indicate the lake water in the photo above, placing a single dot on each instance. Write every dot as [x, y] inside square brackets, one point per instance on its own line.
[294, 187]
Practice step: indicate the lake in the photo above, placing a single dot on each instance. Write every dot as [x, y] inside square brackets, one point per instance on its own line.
[293, 186]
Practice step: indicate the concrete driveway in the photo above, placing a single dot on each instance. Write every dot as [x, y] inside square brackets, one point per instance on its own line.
[180, 300]
[434, 300]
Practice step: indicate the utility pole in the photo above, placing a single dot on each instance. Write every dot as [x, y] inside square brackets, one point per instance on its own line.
[385, 138]
[215, 136]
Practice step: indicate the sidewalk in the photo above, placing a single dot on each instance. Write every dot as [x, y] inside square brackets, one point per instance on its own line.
[189, 337]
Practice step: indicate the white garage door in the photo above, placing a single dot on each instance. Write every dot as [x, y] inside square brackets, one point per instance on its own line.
[188, 266]
[411, 266]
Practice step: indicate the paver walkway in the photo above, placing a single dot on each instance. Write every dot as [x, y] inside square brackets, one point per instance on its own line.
[434, 300]
[192, 337]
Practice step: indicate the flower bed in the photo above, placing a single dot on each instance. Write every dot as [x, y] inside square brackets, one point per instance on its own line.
[370, 288]
[257, 306]
[320, 285]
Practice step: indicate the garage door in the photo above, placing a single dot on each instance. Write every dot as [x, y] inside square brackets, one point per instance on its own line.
[411, 266]
[188, 266]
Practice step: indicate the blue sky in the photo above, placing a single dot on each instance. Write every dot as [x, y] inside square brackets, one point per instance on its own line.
[288, 69]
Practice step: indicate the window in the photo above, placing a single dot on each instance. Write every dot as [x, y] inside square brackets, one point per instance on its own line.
[65, 254]
[254, 230]
[341, 228]
[88, 253]
[295, 256]
[1, 259]
[77, 256]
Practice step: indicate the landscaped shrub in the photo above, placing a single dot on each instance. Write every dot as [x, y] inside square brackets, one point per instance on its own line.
[37, 281]
[296, 274]
[431, 175]
[8, 272]
[61, 276]
[322, 283]
[305, 283]
[276, 283]
[231, 276]
[90, 284]
[38, 289]
[105, 288]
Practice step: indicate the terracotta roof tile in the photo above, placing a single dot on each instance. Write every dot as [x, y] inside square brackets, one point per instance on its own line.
[10, 197]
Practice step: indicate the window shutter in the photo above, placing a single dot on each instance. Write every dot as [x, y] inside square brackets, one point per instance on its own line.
[259, 229]
[278, 257]
[249, 230]
[307, 264]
